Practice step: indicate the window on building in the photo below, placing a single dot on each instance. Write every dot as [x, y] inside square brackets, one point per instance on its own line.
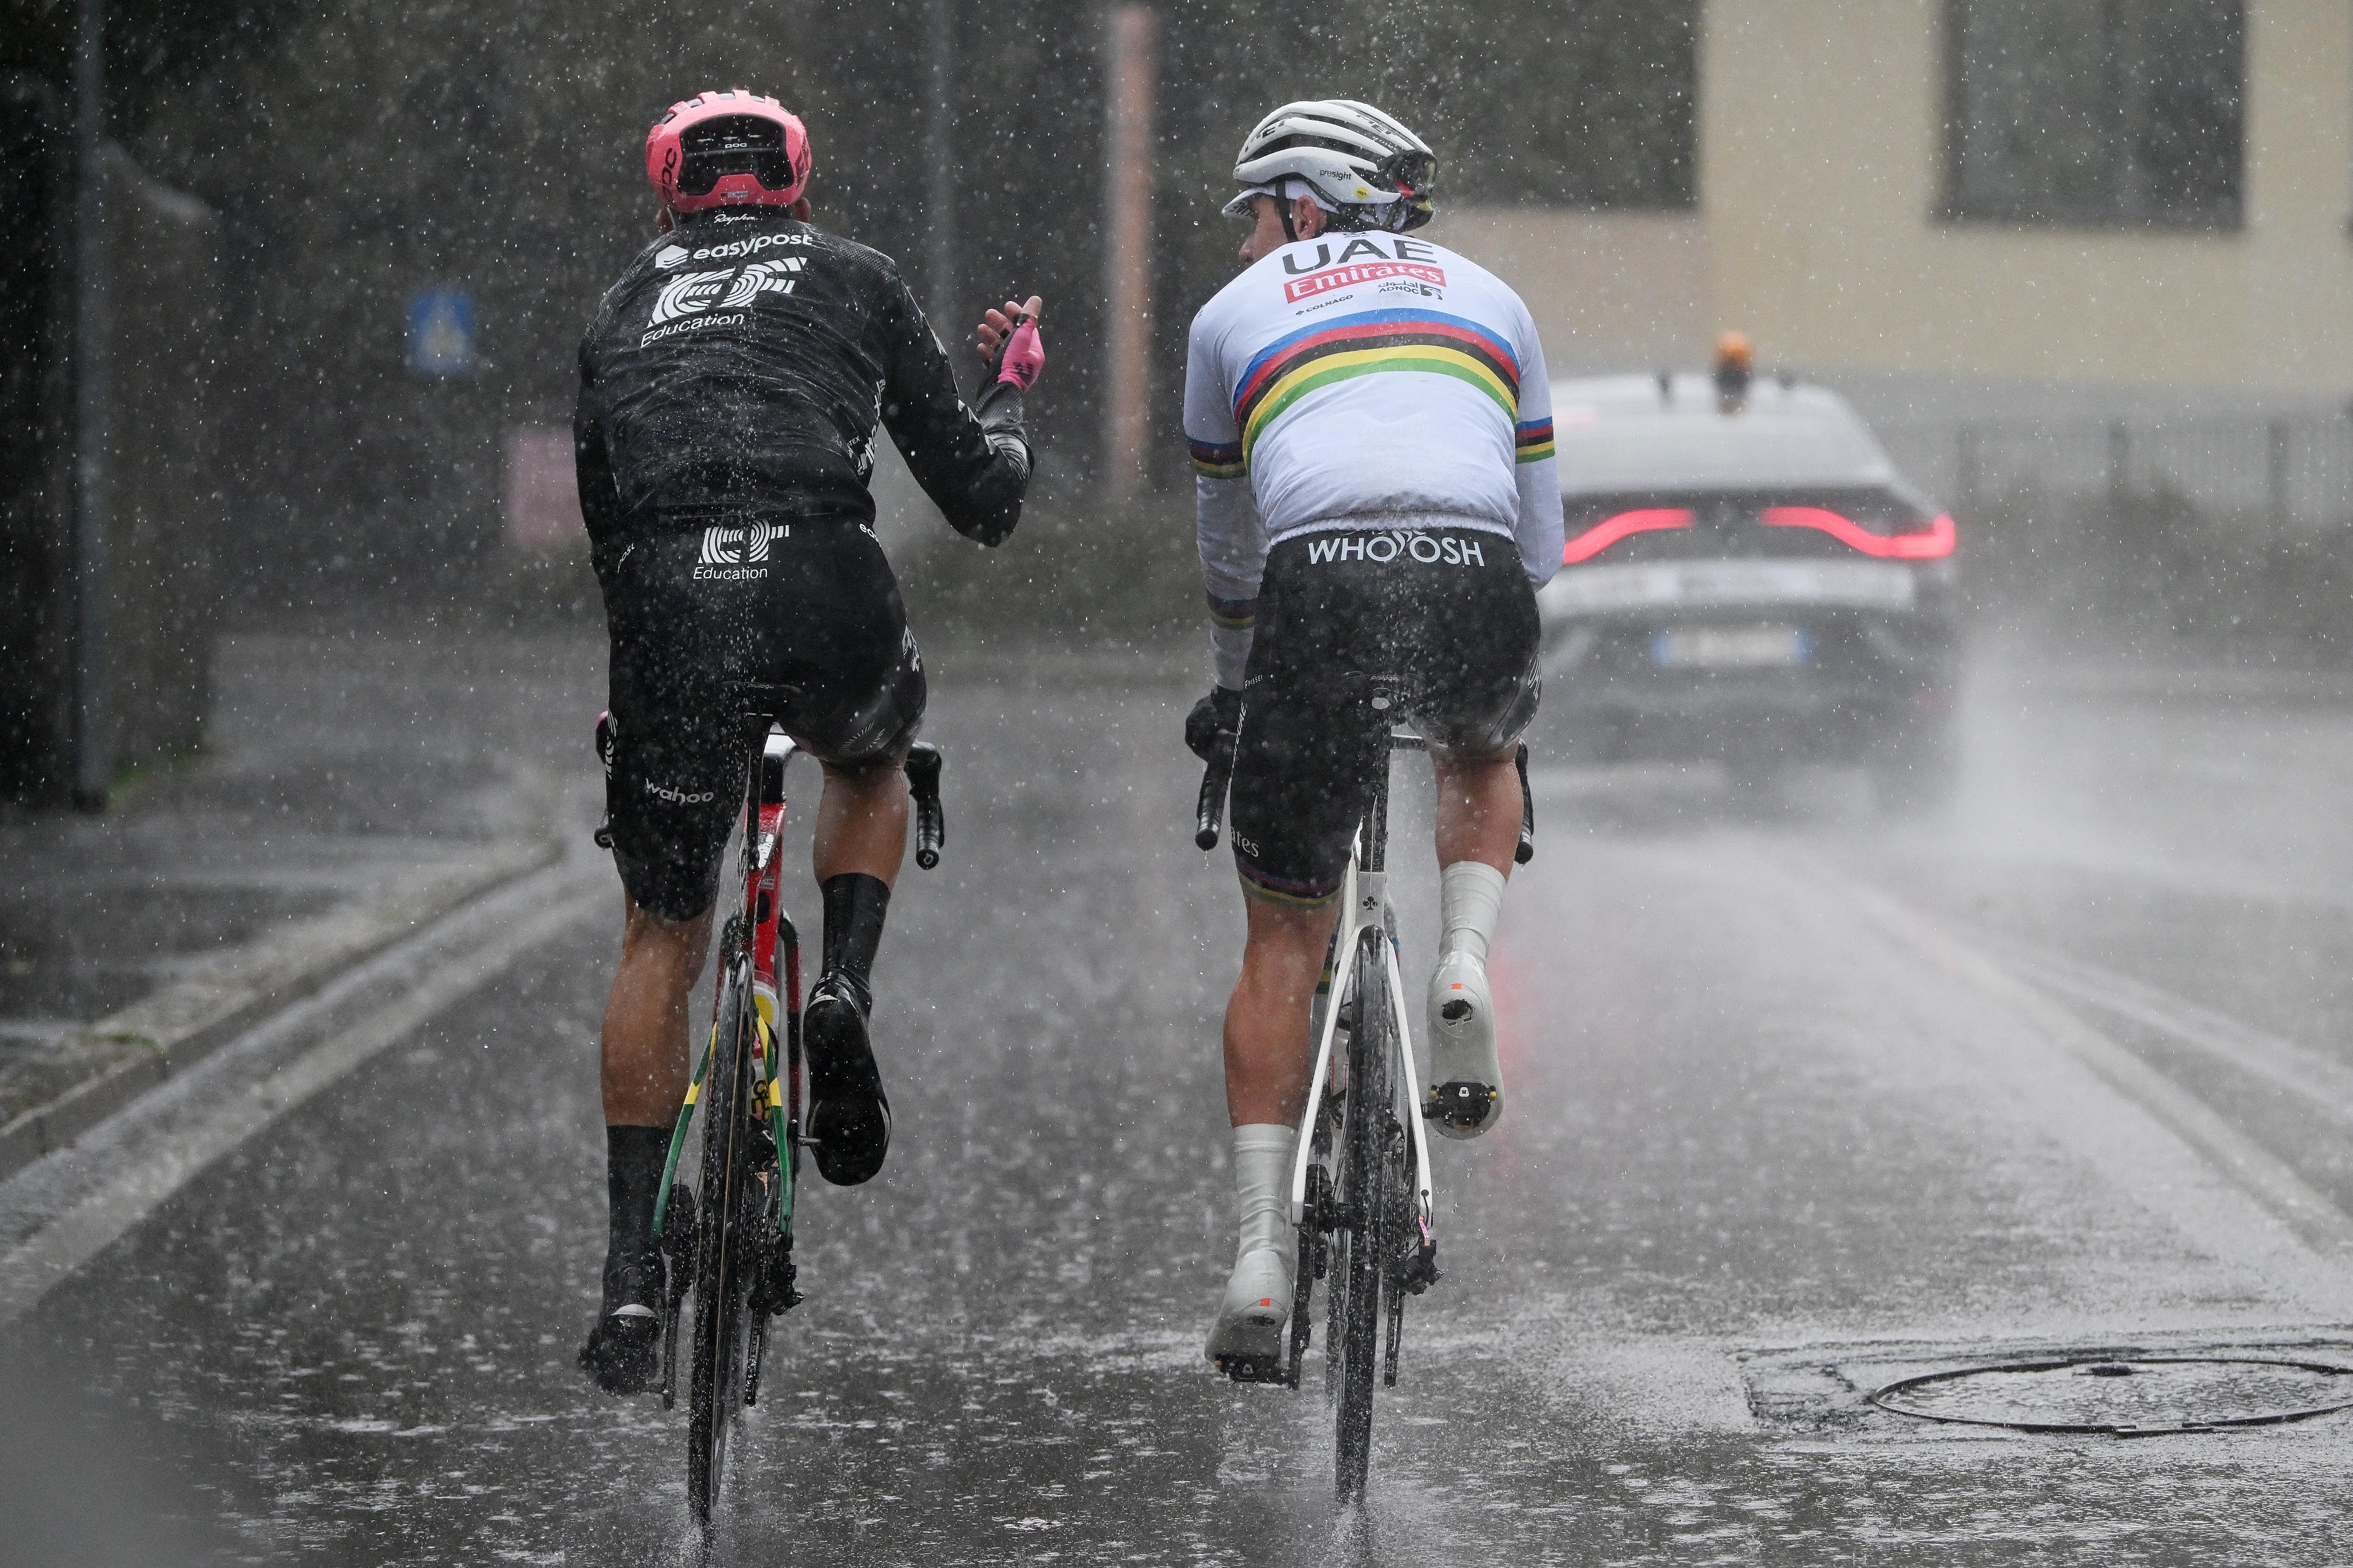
[2095, 112]
[1576, 102]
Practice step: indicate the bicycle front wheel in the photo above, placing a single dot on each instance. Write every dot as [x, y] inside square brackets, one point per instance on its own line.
[724, 1248]
[1365, 1127]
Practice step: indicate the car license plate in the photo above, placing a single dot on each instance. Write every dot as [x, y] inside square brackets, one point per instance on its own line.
[1729, 647]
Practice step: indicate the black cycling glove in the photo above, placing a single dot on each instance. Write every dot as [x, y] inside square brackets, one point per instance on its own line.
[1214, 724]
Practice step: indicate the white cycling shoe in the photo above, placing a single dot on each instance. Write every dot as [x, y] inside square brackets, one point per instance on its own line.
[1465, 1097]
[1249, 1334]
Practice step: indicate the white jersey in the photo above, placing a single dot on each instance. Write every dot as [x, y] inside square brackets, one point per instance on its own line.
[1364, 381]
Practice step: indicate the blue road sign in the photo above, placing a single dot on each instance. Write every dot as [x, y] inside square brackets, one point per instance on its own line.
[441, 332]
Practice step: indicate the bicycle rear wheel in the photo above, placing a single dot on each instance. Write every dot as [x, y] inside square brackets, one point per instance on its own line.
[724, 1249]
[1367, 1123]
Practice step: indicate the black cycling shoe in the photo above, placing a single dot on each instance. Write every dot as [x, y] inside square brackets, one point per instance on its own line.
[849, 1117]
[623, 1351]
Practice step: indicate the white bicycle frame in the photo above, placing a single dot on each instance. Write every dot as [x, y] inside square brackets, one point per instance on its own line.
[1364, 905]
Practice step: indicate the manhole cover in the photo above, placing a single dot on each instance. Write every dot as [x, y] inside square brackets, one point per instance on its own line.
[2135, 1397]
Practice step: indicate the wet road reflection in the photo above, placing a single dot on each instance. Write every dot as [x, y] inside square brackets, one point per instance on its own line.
[1760, 1104]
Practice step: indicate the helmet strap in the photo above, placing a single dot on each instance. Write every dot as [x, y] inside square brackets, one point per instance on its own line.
[1290, 230]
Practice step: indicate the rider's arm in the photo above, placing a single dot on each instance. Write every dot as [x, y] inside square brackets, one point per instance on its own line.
[592, 462]
[974, 462]
[1539, 529]
[1226, 519]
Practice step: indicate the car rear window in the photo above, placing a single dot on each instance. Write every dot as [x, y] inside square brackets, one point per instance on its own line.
[1606, 450]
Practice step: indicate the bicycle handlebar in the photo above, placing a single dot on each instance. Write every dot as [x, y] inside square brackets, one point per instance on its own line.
[931, 818]
[1209, 810]
[1211, 807]
[923, 781]
[1527, 847]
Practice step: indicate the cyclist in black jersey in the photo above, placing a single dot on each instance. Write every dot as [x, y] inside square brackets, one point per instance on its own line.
[733, 386]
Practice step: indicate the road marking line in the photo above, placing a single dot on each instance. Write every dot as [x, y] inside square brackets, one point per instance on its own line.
[2314, 1220]
[486, 937]
[2325, 1086]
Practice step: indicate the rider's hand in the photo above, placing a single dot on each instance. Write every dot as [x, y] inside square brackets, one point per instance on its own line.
[1008, 340]
[1215, 722]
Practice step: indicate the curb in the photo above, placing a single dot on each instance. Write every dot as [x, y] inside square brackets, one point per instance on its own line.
[181, 1024]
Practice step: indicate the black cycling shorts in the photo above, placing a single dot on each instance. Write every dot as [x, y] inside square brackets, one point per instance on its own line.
[702, 615]
[1442, 616]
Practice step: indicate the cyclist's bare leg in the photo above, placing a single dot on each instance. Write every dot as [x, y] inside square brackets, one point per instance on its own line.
[645, 1071]
[861, 821]
[1269, 1058]
[861, 836]
[645, 1035]
[1477, 808]
[1478, 832]
[1268, 1053]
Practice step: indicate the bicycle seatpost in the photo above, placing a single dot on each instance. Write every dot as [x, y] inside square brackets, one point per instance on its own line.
[931, 817]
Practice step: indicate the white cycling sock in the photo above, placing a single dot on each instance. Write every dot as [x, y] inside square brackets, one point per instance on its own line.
[1469, 902]
[1262, 1157]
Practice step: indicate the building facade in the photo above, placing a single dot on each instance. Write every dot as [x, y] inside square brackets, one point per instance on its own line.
[1968, 205]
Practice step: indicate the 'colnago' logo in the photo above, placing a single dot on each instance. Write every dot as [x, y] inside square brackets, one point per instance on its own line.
[692, 293]
[738, 555]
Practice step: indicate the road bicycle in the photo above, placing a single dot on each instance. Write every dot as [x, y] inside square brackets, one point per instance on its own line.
[1360, 1190]
[728, 1239]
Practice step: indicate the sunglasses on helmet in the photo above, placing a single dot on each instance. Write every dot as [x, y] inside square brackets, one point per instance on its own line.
[736, 144]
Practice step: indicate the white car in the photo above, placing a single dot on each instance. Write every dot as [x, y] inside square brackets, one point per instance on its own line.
[1746, 580]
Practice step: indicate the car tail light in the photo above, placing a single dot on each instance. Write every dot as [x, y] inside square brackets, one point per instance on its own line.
[1924, 544]
[1610, 529]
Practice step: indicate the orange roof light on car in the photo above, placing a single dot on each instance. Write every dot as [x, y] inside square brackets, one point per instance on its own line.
[1736, 362]
[1923, 544]
[1612, 528]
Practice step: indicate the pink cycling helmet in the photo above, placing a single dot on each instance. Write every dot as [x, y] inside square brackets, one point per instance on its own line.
[728, 148]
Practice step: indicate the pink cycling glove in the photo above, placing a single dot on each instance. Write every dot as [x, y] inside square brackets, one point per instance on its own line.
[1024, 357]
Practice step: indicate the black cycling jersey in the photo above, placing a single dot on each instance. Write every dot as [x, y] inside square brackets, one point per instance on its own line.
[745, 360]
[730, 389]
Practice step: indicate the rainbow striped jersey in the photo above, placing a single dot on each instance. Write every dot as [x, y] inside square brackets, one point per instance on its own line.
[1366, 381]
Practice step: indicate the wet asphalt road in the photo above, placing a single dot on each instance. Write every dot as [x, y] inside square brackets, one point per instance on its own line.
[1795, 1094]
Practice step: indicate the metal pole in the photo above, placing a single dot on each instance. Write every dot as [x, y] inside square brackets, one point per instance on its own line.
[93, 764]
[1127, 255]
[2276, 476]
[939, 153]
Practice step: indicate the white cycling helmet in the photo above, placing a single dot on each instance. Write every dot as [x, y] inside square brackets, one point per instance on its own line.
[1362, 165]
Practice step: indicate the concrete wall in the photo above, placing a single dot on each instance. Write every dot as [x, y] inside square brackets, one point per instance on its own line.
[165, 510]
[1609, 291]
[1820, 159]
